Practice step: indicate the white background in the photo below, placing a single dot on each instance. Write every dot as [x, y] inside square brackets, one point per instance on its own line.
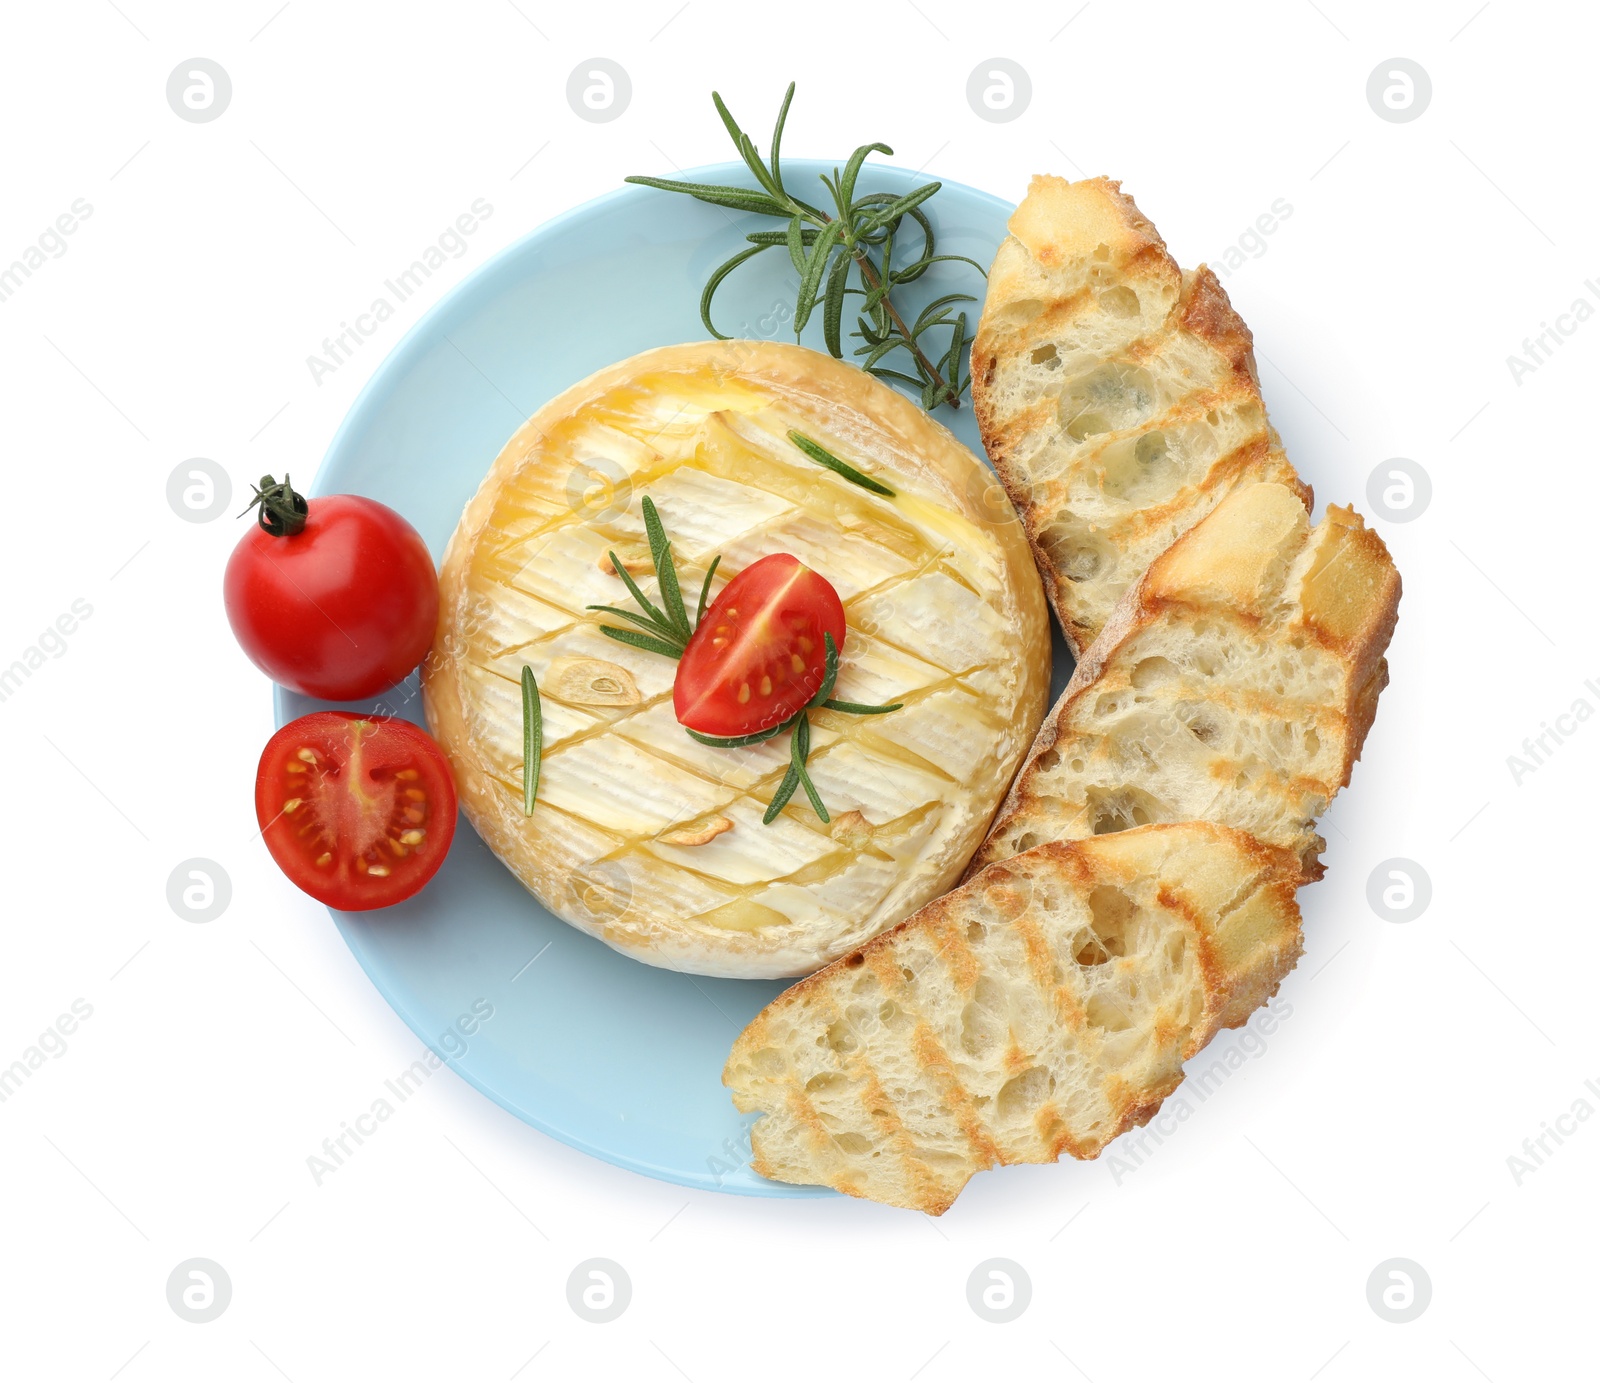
[1377, 1122]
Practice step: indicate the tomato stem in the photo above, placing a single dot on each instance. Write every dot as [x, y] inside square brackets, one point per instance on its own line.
[280, 511]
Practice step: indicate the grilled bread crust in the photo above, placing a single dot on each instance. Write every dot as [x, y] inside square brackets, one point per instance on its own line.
[1235, 683]
[1117, 395]
[1044, 1007]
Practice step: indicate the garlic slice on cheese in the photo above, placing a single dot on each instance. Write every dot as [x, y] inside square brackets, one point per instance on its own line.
[646, 838]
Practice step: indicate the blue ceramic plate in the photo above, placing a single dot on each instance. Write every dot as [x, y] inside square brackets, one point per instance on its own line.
[609, 1055]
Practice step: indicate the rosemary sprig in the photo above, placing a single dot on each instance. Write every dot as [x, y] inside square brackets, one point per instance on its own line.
[532, 739]
[824, 248]
[669, 635]
[823, 457]
[667, 631]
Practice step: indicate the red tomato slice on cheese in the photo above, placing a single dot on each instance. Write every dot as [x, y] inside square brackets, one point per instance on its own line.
[758, 655]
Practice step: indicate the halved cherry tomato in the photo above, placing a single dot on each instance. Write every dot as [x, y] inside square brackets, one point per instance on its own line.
[758, 655]
[358, 811]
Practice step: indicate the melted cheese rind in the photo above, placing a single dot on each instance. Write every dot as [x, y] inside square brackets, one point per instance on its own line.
[944, 613]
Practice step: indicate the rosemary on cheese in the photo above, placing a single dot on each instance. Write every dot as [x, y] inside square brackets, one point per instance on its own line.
[665, 629]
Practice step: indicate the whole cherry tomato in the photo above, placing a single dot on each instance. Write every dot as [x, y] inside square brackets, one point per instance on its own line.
[335, 597]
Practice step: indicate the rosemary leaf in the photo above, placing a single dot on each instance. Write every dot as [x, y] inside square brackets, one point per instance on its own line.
[532, 739]
[741, 142]
[916, 267]
[833, 304]
[875, 351]
[852, 170]
[957, 336]
[768, 239]
[666, 569]
[637, 594]
[930, 316]
[644, 641]
[777, 135]
[812, 276]
[780, 799]
[715, 281]
[855, 708]
[705, 589]
[795, 237]
[735, 198]
[799, 751]
[883, 372]
[898, 208]
[830, 671]
[643, 621]
[739, 741]
[823, 457]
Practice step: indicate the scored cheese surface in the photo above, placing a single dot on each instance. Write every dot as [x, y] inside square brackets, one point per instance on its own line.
[643, 836]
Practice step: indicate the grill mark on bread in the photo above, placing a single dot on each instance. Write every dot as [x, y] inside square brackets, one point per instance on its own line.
[805, 1114]
[932, 1057]
[1043, 961]
[880, 1109]
[1042, 964]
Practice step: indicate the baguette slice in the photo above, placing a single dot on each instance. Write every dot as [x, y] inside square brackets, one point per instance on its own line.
[1117, 394]
[1235, 683]
[1045, 1006]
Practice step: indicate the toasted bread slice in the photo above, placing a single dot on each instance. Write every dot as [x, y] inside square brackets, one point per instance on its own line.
[1116, 394]
[1234, 683]
[1043, 1007]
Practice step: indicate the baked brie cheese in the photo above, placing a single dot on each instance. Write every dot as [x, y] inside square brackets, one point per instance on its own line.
[643, 836]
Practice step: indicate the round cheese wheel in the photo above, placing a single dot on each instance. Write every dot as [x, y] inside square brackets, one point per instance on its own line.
[646, 838]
